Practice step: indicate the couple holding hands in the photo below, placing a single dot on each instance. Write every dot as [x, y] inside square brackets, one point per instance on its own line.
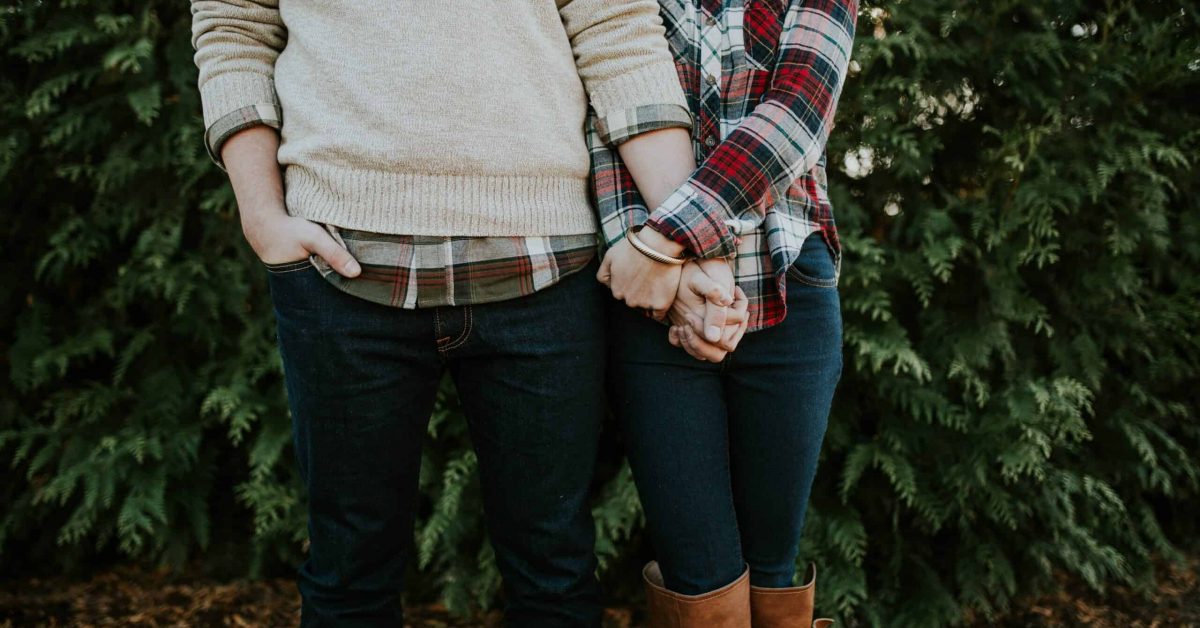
[425, 184]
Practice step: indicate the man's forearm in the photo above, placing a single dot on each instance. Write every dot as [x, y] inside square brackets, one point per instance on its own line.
[250, 158]
[659, 162]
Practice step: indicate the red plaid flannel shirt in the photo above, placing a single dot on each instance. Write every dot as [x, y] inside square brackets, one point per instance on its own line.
[763, 78]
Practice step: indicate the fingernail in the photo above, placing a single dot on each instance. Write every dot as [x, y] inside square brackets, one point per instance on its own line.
[353, 268]
[713, 333]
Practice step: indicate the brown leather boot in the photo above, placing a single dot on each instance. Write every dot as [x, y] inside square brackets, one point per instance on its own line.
[786, 608]
[727, 607]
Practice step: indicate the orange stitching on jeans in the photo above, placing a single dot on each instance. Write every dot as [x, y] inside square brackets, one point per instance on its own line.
[467, 324]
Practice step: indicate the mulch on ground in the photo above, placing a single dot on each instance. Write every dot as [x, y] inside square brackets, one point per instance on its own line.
[131, 597]
[1174, 603]
[128, 596]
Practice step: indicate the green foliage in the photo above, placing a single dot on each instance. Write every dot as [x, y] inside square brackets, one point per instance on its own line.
[1015, 185]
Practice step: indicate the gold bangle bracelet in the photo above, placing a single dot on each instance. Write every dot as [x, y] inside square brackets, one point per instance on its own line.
[645, 249]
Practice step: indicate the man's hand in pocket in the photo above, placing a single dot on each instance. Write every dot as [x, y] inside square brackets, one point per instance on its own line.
[277, 238]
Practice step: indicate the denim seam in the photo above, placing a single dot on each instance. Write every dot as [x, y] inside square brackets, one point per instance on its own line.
[462, 338]
[437, 328]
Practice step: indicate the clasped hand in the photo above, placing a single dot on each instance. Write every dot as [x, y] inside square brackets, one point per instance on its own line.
[707, 311]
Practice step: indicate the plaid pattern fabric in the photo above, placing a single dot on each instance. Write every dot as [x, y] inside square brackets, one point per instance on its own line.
[429, 271]
[762, 79]
[432, 271]
[237, 120]
[622, 125]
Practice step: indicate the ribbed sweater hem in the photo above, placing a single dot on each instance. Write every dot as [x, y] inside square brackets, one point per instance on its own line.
[440, 205]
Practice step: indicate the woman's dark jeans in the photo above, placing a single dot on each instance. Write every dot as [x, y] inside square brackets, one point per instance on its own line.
[361, 382]
[724, 455]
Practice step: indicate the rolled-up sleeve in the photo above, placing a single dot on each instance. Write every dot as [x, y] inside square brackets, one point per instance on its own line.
[626, 66]
[237, 43]
[781, 139]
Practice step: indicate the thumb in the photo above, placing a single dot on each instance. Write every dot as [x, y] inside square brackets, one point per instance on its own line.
[334, 254]
[604, 275]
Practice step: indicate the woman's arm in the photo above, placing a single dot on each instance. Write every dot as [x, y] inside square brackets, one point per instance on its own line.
[781, 139]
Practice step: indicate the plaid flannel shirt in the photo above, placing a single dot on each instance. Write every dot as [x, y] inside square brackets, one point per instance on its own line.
[763, 78]
[411, 271]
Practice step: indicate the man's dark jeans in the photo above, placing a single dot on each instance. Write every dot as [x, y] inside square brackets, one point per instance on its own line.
[724, 455]
[361, 382]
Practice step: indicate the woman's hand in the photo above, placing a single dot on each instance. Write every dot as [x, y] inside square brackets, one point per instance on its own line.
[705, 293]
[685, 337]
[706, 321]
[638, 280]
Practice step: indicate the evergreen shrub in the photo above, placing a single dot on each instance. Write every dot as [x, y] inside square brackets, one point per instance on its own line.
[1015, 185]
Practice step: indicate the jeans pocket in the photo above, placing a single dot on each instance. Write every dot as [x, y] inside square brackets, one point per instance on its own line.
[289, 267]
[295, 287]
[815, 266]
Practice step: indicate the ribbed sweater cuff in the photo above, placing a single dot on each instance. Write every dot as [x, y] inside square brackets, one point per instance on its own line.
[656, 84]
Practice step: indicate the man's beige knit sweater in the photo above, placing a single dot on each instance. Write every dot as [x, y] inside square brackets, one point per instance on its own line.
[434, 117]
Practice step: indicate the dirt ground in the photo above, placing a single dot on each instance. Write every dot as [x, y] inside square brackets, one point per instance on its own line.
[1174, 604]
[131, 597]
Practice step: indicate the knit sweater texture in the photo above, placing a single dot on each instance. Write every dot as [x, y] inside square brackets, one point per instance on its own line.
[445, 118]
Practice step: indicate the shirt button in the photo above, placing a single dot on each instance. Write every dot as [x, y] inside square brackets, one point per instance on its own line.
[710, 141]
[710, 79]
